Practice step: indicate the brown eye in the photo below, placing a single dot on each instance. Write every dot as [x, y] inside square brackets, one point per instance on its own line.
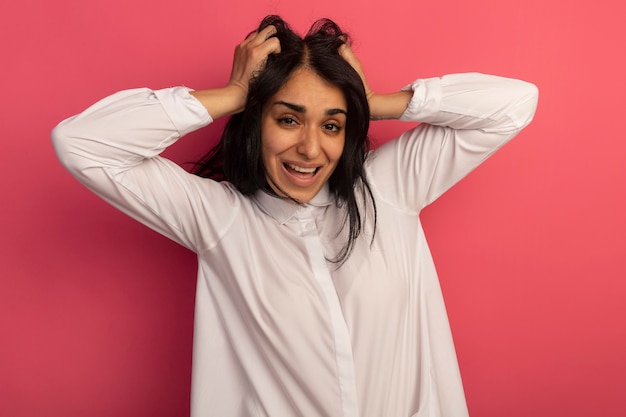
[332, 127]
[287, 121]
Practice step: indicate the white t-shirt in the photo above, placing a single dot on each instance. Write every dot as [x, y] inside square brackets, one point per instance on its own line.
[279, 331]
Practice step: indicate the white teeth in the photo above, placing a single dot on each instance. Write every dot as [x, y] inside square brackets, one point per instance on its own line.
[301, 169]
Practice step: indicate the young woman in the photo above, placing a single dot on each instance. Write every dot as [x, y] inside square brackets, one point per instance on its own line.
[317, 294]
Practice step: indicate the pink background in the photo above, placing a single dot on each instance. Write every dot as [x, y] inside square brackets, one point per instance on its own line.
[96, 311]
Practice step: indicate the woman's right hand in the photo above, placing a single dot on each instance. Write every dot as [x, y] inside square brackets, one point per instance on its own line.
[250, 56]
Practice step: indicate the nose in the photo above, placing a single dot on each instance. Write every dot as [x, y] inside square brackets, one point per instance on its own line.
[309, 144]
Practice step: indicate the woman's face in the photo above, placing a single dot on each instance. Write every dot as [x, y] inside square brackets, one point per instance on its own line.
[303, 135]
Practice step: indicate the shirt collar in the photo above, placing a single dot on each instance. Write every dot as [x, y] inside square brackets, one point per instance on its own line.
[282, 209]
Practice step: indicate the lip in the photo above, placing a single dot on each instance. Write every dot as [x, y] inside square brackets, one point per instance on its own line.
[299, 179]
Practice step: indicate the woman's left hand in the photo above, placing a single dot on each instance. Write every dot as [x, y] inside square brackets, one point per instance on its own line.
[382, 106]
[346, 53]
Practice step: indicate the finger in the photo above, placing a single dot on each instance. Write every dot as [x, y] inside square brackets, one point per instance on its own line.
[259, 37]
[348, 55]
[267, 32]
[270, 46]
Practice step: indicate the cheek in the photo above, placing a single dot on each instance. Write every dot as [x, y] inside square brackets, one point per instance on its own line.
[336, 150]
[271, 147]
[267, 156]
[267, 148]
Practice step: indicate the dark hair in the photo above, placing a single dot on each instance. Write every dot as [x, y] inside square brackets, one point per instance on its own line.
[237, 158]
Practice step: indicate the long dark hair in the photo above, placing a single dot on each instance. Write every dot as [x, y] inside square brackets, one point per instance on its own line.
[237, 158]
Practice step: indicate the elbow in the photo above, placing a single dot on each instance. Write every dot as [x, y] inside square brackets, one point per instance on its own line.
[531, 98]
[524, 106]
[62, 145]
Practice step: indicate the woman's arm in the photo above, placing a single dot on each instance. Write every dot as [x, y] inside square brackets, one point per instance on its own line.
[250, 55]
[113, 148]
[132, 125]
[465, 119]
[382, 106]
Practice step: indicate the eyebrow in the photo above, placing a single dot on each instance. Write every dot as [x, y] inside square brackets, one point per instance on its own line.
[301, 109]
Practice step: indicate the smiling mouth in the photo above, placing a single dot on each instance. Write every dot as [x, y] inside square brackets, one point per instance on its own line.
[301, 170]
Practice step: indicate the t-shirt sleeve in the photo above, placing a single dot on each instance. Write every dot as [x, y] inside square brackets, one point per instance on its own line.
[113, 148]
[464, 119]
